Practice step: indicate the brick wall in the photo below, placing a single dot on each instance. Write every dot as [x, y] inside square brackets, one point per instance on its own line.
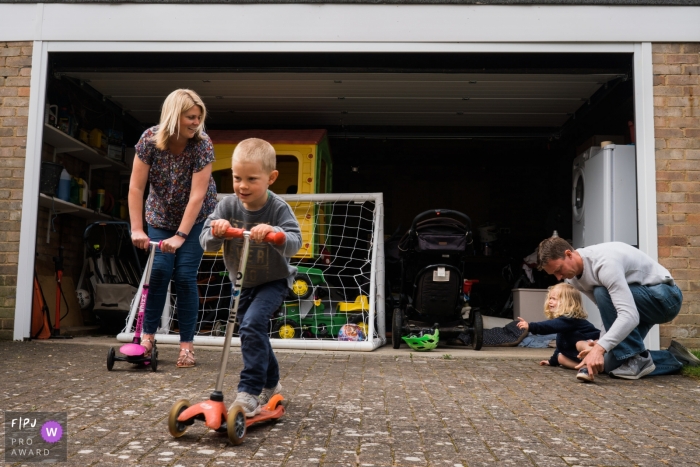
[15, 70]
[677, 132]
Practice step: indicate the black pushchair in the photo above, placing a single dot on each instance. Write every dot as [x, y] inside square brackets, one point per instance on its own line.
[432, 293]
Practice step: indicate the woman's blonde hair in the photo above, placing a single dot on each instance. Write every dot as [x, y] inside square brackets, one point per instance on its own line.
[570, 305]
[177, 103]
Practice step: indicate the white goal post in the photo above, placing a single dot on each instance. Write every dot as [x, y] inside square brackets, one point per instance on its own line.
[339, 303]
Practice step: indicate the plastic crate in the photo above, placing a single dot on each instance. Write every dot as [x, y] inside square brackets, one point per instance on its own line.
[528, 304]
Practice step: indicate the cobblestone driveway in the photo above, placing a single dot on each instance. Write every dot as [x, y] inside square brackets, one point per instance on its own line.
[370, 409]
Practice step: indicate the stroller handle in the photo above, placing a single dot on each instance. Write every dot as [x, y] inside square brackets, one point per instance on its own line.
[441, 212]
[278, 238]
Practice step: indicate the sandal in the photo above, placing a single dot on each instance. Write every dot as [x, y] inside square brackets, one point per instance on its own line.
[186, 359]
[151, 343]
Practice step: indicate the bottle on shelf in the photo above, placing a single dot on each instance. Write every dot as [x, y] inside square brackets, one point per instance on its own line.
[64, 186]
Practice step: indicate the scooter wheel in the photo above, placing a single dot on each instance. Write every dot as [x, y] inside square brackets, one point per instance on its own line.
[110, 359]
[154, 359]
[175, 427]
[235, 423]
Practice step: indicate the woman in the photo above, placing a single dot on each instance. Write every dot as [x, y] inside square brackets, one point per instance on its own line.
[175, 157]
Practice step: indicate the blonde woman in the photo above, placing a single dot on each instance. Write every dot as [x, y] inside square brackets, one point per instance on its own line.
[175, 158]
[566, 318]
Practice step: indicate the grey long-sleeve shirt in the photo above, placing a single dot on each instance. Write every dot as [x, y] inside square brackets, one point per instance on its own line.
[266, 262]
[614, 265]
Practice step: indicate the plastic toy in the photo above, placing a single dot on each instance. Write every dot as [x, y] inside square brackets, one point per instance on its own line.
[134, 351]
[351, 332]
[213, 411]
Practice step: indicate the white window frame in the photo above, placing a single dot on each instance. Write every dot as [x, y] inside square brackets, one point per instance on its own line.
[643, 104]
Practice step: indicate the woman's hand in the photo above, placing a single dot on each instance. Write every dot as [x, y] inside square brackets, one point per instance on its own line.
[522, 324]
[170, 245]
[544, 362]
[257, 233]
[219, 227]
[139, 239]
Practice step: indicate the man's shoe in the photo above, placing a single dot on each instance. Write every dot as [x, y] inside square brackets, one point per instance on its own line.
[267, 394]
[683, 355]
[635, 367]
[583, 375]
[249, 403]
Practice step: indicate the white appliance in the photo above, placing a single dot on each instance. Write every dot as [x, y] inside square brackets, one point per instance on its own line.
[604, 202]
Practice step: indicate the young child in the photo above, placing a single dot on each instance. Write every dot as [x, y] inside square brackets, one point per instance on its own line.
[567, 318]
[268, 272]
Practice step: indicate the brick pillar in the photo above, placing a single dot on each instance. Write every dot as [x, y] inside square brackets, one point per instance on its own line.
[677, 132]
[15, 70]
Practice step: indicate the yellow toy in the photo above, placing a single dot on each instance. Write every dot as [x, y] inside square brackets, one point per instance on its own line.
[305, 166]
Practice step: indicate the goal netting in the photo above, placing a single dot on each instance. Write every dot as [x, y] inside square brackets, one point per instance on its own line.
[337, 299]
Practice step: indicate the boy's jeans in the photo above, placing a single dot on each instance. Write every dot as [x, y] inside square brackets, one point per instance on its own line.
[182, 268]
[656, 304]
[255, 309]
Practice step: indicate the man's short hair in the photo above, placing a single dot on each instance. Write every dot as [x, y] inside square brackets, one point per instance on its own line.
[550, 249]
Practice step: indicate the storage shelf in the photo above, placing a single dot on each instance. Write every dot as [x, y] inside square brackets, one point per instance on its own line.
[58, 206]
[64, 143]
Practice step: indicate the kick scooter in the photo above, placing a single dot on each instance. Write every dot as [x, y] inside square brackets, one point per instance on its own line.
[134, 352]
[213, 411]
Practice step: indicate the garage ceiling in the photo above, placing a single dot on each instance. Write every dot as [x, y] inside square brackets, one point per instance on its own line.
[365, 99]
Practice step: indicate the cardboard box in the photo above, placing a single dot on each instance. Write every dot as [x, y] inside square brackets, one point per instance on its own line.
[528, 304]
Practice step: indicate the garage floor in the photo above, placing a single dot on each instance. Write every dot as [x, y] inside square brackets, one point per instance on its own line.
[384, 408]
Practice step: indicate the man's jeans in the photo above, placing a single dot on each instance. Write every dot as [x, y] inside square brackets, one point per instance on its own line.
[656, 304]
[182, 268]
[255, 309]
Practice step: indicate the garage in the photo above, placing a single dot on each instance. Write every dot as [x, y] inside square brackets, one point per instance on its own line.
[492, 135]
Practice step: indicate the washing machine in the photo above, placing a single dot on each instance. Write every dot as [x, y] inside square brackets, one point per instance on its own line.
[604, 202]
[604, 196]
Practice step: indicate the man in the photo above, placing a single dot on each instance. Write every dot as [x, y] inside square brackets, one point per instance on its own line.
[633, 293]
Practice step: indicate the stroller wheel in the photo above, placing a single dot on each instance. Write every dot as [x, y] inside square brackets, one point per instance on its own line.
[477, 331]
[397, 328]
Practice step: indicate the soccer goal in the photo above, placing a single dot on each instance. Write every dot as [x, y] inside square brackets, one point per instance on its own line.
[337, 301]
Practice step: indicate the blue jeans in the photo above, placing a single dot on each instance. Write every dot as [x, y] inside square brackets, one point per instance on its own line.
[255, 309]
[182, 267]
[656, 304]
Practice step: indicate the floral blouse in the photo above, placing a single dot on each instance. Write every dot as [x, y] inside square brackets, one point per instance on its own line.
[170, 178]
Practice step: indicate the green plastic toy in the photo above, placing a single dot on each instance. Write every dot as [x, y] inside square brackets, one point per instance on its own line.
[422, 343]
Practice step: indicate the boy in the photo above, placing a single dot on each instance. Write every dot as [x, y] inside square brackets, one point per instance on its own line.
[268, 272]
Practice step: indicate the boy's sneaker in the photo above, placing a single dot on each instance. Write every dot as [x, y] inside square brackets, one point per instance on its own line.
[583, 375]
[249, 403]
[683, 355]
[635, 367]
[267, 394]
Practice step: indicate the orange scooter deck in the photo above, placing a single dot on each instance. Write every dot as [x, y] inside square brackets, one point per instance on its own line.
[273, 410]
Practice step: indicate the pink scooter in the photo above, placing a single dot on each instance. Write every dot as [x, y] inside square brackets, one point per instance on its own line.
[134, 351]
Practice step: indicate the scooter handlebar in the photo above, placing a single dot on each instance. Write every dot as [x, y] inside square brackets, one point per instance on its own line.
[278, 238]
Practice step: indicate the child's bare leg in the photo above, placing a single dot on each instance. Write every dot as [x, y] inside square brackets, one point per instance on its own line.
[566, 362]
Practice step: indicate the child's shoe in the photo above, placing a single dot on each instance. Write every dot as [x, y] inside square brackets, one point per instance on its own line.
[267, 394]
[583, 375]
[249, 403]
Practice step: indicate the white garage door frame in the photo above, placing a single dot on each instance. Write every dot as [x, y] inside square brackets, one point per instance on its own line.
[643, 103]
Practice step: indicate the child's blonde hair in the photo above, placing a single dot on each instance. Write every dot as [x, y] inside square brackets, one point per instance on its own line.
[256, 150]
[177, 103]
[570, 305]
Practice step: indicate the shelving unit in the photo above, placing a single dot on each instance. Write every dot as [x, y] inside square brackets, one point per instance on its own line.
[57, 206]
[64, 143]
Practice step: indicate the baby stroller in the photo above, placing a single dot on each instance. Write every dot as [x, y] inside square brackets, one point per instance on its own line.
[433, 291]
